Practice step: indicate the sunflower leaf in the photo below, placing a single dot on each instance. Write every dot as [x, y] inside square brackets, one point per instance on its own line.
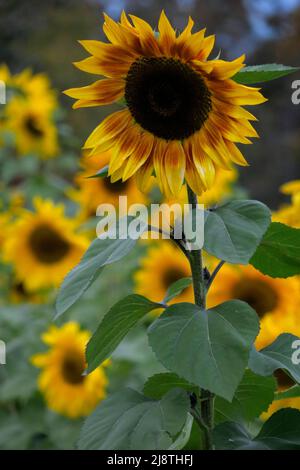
[263, 73]
[103, 173]
[280, 432]
[252, 397]
[207, 348]
[159, 384]
[283, 353]
[233, 231]
[128, 420]
[123, 316]
[176, 288]
[102, 252]
[278, 254]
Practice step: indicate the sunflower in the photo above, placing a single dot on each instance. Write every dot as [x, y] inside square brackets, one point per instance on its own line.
[94, 191]
[66, 390]
[183, 114]
[43, 245]
[29, 113]
[290, 213]
[272, 299]
[163, 265]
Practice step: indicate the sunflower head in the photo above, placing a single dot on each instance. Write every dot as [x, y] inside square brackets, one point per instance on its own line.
[274, 300]
[62, 381]
[183, 113]
[43, 245]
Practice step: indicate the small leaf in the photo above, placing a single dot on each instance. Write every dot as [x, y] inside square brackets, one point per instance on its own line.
[252, 397]
[278, 254]
[100, 253]
[207, 348]
[280, 432]
[103, 173]
[233, 231]
[128, 420]
[292, 392]
[277, 355]
[176, 288]
[123, 316]
[159, 384]
[263, 73]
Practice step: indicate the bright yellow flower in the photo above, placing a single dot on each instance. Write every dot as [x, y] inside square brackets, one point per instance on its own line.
[290, 213]
[94, 191]
[29, 113]
[276, 301]
[43, 245]
[163, 265]
[183, 114]
[65, 389]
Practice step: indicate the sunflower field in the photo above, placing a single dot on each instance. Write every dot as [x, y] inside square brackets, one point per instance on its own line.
[150, 342]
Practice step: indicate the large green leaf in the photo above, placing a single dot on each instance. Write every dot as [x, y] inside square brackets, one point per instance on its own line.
[263, 73]
[252, 397]
[277, 355]
[278, 254]
[100, 253]
[159, 384]
[123, 316]
[280, 432]
[233, 231]
[130, 421]
[207, 348]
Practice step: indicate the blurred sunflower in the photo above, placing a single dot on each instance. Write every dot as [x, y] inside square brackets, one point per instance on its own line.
[275, 300]
[93, 191]
[29, 113]
[163, 265]
[43, 245]
[183, 114]
[66, 390]
[290, 213]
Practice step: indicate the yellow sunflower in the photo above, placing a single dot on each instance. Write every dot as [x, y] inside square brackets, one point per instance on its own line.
[183, 114]
[163, 265]
[29, 113]
[43, 245]
[94, 191]
[273, 299]
[290, 213]
[66, 390]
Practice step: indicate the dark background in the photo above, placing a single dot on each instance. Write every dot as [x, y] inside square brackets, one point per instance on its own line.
[43, 36]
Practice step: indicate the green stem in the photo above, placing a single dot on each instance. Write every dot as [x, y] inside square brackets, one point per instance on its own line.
[207, 398]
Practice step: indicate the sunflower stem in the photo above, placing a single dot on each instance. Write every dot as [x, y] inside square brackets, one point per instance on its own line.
[206, 405]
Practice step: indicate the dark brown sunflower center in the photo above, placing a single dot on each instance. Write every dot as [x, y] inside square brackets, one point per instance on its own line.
[284, 381]
[258, 294]
[117, 187]
[72, 369]
[172, 276]
[33, 128]
[167, 97]
[47, 245]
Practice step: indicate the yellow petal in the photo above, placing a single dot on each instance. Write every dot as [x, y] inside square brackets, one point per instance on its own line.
[167, 34]
[174, 161]
[104, 91]
[139, 155]
[124, 146]
[110, 127]
[143, 176]
[235, 154]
